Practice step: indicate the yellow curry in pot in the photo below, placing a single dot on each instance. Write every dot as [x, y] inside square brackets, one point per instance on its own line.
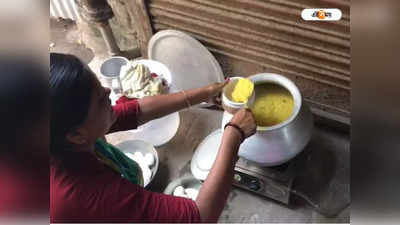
[273, 104]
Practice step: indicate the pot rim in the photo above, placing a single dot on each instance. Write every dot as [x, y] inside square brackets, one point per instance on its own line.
[288, 85]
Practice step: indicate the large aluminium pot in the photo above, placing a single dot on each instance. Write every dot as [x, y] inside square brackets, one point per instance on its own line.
[275, 145]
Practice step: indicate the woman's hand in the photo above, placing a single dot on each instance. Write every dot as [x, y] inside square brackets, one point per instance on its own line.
[215, 89]
[244, 120]
[214, 92]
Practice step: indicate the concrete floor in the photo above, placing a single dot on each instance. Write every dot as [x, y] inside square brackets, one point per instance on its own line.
[65, 38]
[242, 206]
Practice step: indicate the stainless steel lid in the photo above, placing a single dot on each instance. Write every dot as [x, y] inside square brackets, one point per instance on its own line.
[190, 63]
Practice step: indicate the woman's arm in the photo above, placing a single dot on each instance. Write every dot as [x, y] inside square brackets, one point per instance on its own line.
[215, 190]
[157, 106]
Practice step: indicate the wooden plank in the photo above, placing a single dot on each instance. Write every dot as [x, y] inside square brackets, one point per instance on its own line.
[144, 30]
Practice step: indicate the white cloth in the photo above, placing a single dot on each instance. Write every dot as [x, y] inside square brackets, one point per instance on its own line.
[137, 82]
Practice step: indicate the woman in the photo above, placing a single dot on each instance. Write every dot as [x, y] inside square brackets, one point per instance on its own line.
[86, 189]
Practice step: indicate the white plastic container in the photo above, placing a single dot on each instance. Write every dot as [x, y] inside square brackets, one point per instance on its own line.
[136, 146]
[110, 72]
[228, 104]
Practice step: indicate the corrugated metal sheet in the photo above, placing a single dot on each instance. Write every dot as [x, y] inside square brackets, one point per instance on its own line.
[271, 34]
[66, 9]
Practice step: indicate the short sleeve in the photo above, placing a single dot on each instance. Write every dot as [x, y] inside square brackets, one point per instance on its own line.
[127, 111]
[163, 208]
[83, 190]
[131, 203]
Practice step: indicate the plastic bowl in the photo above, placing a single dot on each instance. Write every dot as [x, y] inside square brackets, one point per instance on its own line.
[187, 181]
[133, 146]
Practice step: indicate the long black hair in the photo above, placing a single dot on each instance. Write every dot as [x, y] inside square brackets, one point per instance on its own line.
[71, 85]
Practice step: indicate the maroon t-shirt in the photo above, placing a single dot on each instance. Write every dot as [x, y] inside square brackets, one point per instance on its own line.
[82, 189]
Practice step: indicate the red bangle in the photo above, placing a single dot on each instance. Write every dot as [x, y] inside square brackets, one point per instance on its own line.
[238, 128]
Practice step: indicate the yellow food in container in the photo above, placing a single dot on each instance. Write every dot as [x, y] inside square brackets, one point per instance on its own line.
[243, 90]
[273, 104]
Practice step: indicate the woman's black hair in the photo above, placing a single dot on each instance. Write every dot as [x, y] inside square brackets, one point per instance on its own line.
[71, 84]
[23, 98]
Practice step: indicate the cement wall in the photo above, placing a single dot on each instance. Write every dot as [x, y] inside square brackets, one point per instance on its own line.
[122, 25]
